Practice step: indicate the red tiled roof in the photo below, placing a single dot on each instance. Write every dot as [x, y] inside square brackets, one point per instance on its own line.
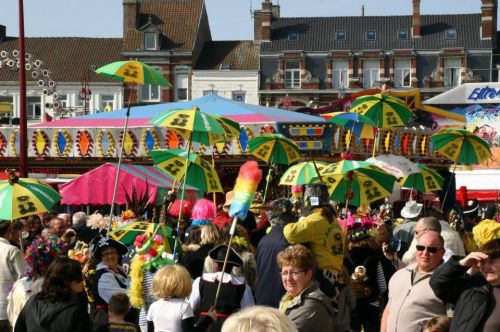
[177, 20]
[68, 58]
[239, 55]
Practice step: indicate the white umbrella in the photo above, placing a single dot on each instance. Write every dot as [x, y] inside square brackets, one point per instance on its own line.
[395, 165]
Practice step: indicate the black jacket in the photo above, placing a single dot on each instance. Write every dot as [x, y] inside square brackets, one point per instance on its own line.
[269, 285]
[471, 295]
[45, 316]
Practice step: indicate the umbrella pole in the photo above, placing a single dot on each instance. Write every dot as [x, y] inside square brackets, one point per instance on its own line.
[120, 154]
[183, 190]
[346, 207]
[268, 178]
[315, 167]
[375, 142]
[231, 235]
[213, 164]
[449, 186]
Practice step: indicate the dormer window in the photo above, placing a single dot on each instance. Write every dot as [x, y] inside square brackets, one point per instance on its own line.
[450, 34]
[150, 41]
[340, 35]
[293, 36]
[403, 34]
[371, 35]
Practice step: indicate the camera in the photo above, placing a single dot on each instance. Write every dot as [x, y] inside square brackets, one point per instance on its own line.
[393, 246]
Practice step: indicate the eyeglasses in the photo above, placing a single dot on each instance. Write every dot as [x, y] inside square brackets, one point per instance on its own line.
[432, 250]
[291, 273]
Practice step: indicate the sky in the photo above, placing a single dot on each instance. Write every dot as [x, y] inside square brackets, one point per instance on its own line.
[229, 19]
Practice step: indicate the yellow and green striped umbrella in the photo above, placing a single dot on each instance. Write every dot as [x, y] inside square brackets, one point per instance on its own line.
[424, 181]
[197, 126]
[200, 173]
[461, 146]
[302, 173]
[358, 182]
[133, 72]
[274, 149]
[22, 197]
[385, 111]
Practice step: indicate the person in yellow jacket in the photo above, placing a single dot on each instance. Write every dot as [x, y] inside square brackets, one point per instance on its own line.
[487, 229]
[319, 228]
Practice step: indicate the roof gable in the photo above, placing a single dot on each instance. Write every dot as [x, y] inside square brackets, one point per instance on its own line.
[318, 33]
[239, 55]
[177, 20]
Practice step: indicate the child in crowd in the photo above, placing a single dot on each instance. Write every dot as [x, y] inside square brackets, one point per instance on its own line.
[438, 324]
[172, 312]
[118, 307]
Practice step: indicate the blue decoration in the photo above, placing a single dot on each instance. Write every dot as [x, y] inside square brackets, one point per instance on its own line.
[61, 142]
[150, 140]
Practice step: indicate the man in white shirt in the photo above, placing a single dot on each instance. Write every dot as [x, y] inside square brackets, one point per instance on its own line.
[12, 266]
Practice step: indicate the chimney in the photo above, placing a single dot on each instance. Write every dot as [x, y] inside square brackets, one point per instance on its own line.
[489, 18]
[276, 11]
[267, 16]
[3, 32]
[130, 14]
[415, 22]
[257, 24]
[362, 10]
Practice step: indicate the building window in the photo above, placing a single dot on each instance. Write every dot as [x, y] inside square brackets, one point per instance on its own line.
[402, 73]
[403, 34]
[293, 36]
[292, 75]
[452, 72]
[150, 93]
[371, 35]
[450, 34]
[340, 35]
[371, 73]
[150, 41]
[63, 100]
[34, 108]
[107, 103]
[340, 74]
[181, 87]
[239, 96]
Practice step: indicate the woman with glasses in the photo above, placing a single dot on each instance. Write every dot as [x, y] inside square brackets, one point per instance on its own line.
[60, 306]
[107, 278]
[472, 284]
[304, 303]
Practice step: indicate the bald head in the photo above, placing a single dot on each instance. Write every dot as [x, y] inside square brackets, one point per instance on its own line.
[427, 224]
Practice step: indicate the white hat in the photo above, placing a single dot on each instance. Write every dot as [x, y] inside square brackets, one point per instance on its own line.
[411, 210]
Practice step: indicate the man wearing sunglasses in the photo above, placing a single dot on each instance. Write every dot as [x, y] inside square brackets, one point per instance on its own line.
[411, 299]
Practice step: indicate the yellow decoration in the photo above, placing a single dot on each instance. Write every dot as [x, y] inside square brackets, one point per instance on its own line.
[348, 139]
[40, 143]
[12, 143]
[136, 276]
[387, 141]
[128, 144]
[423, 144]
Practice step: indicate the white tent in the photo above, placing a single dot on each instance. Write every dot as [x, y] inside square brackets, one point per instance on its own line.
[468, 93]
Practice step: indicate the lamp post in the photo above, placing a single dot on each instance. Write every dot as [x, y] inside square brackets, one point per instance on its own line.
[23, 121]
[85, 94]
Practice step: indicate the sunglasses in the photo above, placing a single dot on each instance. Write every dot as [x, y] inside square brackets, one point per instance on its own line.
[432, 250]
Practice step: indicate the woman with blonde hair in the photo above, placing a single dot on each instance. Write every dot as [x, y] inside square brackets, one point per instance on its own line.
[259, 319]
[195, 254]
[172, 312]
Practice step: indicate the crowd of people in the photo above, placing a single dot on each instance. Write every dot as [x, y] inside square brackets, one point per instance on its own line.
[292, 265]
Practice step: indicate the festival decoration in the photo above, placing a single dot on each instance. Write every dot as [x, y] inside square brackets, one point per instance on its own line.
[40, 143]
[14, 142]
[62, 143]
[149, 139]
[106, 145]
[39, 254]
[129, 143]
[3, 145]
[84, 143]
[80, 252]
